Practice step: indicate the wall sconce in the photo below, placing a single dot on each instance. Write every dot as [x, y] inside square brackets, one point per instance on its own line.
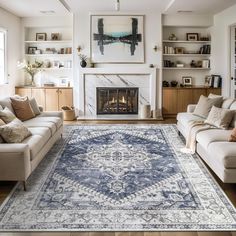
[79, 48]
[156, 48]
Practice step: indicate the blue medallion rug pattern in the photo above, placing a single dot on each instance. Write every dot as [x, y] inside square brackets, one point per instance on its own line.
[129, 178]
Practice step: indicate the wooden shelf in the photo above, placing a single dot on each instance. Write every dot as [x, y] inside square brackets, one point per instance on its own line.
[49, 41]
[56, 69]
[185, 41]
[190, 87]
[184, 68]
[48, 55]
[187, 55]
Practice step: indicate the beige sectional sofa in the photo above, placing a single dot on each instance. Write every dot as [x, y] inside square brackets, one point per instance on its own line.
[18, 161]
[213, 145]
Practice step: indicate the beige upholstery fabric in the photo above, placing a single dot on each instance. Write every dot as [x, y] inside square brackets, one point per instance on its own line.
[1, 123]
[219, 117]
[188, 117]
[22, 109]
[205, 104]
[55, 120]
[191, 108]
[224, 152]
[232, 137]
[6, 102]
[14, 132]
[233, 106]
[52, 114]
[1, 108]
[213, 135]
[6, 115]
[227, 102]
[35, 123]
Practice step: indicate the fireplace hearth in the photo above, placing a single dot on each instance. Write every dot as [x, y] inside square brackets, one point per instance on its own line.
[112, 100]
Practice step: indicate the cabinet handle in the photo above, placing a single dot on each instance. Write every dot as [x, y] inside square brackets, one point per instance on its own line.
[60, 91]
[57, 91]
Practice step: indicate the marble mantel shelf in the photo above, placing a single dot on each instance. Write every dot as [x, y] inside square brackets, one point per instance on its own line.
[153, 84]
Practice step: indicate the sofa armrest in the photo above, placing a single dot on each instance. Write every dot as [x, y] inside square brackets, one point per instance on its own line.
[191, 108]
[14, 161]
[52, 114]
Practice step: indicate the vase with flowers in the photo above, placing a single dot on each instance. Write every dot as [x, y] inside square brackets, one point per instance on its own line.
[31, 69]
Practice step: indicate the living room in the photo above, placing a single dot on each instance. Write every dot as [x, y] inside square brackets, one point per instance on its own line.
[117, 117]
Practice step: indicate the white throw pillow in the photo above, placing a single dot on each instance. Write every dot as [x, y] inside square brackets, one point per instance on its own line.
[205, 104]
[220, 117]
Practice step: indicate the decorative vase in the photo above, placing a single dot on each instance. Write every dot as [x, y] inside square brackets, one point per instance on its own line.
[83, 63]
[32, 80]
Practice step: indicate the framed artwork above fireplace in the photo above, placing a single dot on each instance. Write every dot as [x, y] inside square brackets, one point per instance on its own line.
[117, 38]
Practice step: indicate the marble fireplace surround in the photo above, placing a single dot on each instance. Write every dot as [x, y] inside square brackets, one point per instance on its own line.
[143, 78]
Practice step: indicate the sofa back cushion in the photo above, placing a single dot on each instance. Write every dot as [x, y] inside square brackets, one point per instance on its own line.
[219, 117]
[23, 109]
[227, 102]
[205, 104]
[6, 102]
[1, 123]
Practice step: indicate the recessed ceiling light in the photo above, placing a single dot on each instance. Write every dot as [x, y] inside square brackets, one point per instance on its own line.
[47, 12]
[185, 11]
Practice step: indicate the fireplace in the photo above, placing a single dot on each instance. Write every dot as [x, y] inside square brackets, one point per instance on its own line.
[117, 100]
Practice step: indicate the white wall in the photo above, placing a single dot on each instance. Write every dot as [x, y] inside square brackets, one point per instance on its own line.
[221, 45]
[12, 24]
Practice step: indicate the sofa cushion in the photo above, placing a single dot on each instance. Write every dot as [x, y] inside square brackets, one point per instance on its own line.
[6, 115]
[224, 153]
[35, 143]
[1, 108]
[14, 132]
[1, 123]
[34, 106]
[22, 109]
[206, 137]
[47, 124]
[6, 102]
[55, 120]
[185, 118]
[232, 137]
[42, 131]
[205, 104]
[219, 117]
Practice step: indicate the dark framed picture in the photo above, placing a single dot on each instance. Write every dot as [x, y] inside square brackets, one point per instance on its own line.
[31, 50]
[192, 37]
[179, 50]
[187, 80]
[117, 38]
[55, 36]
[41, 36]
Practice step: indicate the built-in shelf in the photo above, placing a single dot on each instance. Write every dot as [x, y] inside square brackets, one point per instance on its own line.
[49, 41]
[48, 55]
[184, 68]
[187, 55]
[185, 41]
[59, 69]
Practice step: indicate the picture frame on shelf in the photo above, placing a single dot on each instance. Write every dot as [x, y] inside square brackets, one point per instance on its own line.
[187, 80]
[205, 63]
[32, 50]
[41, 36]
[179, 50]
[55, 36]
[56, 64]
[117, 38]
[192, 36]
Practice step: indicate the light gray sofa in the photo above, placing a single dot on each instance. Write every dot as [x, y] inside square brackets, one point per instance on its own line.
[213, 145]
[18, 161]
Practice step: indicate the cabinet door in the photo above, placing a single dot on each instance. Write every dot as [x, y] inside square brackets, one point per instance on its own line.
[216, 91]
[185, 97]
[169, 101]
[51, 99]
[65, 98]
[23, 92]
[197, 93]
[39, 95]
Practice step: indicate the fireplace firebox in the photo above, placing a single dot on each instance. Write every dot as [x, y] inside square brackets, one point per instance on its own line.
[117, 100]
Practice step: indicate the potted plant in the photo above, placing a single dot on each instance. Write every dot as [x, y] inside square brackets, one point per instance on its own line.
[83, 60]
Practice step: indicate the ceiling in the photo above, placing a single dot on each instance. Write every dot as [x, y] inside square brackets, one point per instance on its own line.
[28, 8]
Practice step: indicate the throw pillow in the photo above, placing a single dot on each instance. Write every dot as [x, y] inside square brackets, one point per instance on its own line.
[232, 137]
[35, 106]
[6, 115]
[14, 132]
[219, 117]
[23, 109]
[1, 123]
[205, 104]
[1, 108]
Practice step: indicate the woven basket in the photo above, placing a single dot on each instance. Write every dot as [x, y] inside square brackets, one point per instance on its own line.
[69, 115]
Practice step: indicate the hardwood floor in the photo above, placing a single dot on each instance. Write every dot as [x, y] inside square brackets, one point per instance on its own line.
[229, 189]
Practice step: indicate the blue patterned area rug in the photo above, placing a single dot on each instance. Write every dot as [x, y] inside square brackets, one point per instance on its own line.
[129, 178]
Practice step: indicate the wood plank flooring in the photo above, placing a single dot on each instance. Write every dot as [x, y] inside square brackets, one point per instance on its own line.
[229, 189]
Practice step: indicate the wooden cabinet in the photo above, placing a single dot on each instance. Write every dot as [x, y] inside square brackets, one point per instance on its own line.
[176, 100]
[52, 99]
